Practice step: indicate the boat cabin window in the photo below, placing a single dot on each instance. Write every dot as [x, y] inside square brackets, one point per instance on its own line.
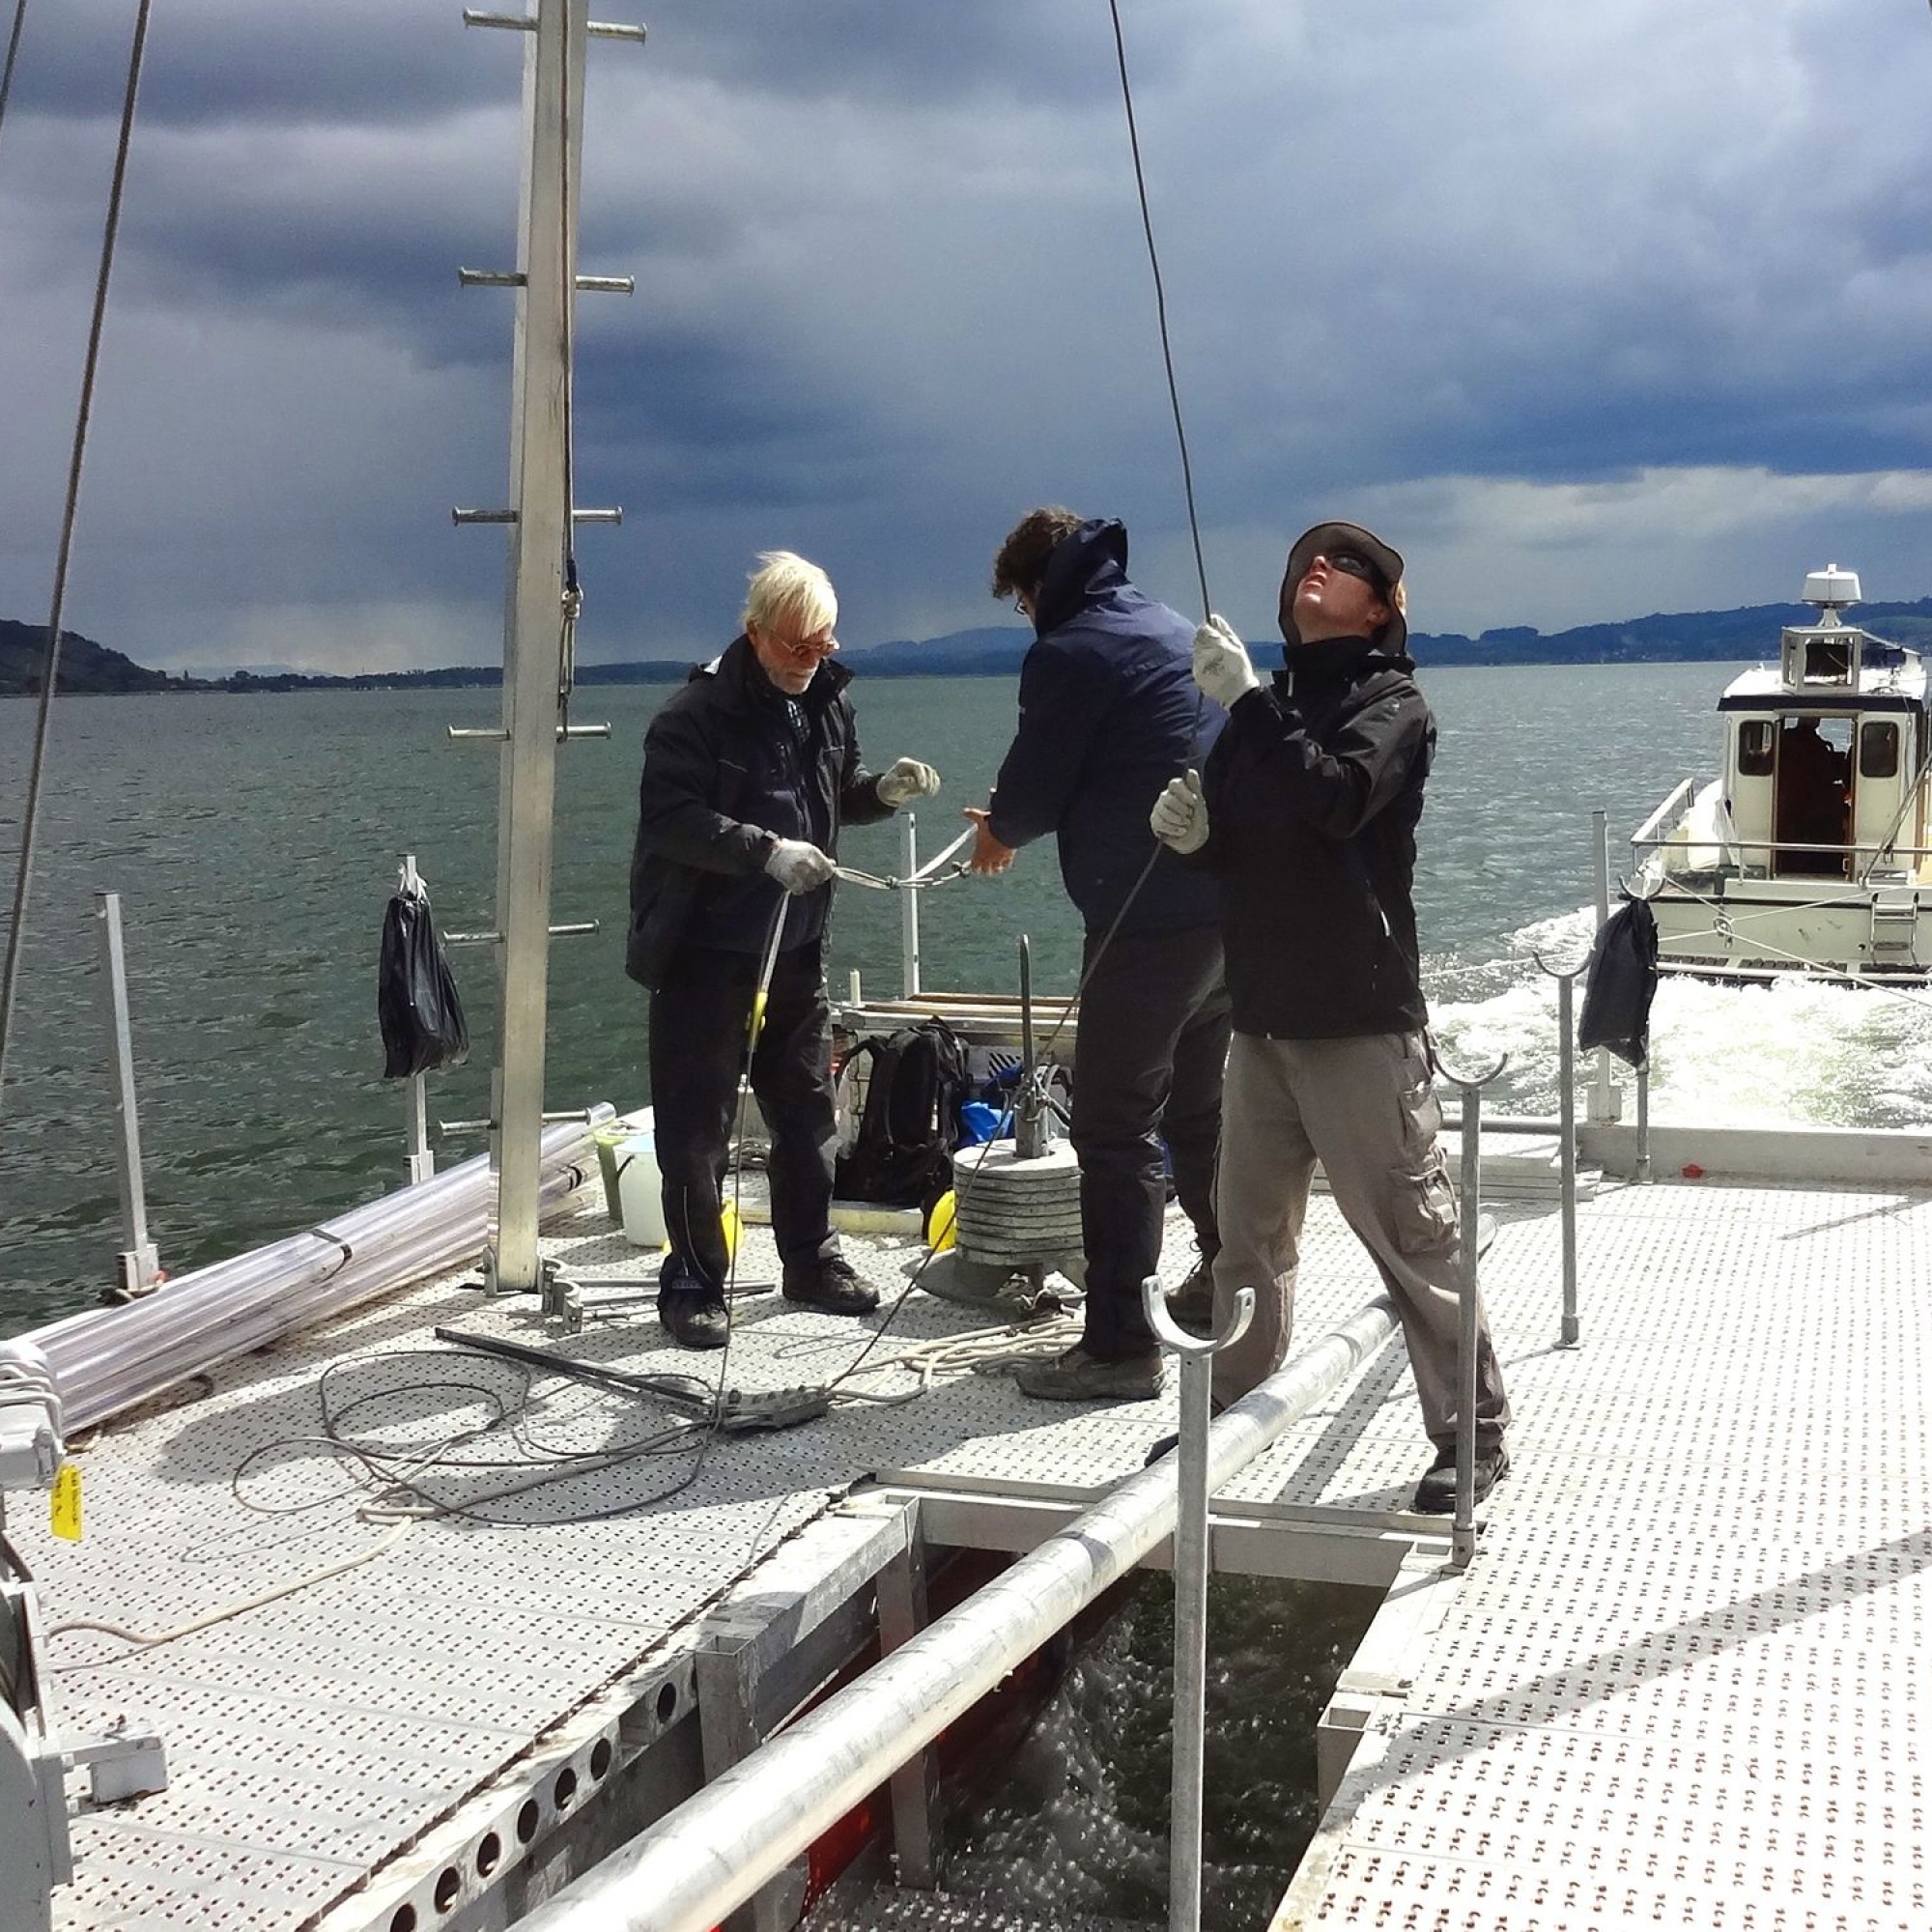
[1878, 752]
[1754, 742]
[1828, 660]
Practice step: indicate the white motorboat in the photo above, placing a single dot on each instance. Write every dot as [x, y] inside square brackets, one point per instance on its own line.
[1808, 853]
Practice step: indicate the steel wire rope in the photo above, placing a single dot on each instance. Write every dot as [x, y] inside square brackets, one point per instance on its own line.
[1091, 965]
[37, 769]
[12, 55]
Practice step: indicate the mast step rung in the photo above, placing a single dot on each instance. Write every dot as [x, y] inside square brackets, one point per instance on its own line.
[515, 278]
[615, 515]
[564, 731]
[525, 23]
[478, 735]
[583, 929]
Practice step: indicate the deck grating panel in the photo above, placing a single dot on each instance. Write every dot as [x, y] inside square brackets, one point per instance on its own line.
[1683, 1685]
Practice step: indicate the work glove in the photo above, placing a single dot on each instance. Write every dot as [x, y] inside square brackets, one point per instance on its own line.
[1179, 815]
[1221, 667]
[905, 780]
[798, 866]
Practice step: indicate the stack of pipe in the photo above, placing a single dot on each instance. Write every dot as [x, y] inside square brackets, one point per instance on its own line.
[111, 1358]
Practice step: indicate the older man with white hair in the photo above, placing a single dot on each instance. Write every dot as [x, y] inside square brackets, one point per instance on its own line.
[750, 771]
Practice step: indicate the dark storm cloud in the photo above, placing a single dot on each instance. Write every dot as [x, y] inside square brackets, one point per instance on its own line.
[1526, 276]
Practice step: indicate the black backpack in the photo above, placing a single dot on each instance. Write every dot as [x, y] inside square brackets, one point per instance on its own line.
[902, 1157]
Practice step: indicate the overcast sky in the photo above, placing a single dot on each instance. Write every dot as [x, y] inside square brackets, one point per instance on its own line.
[1593, 310]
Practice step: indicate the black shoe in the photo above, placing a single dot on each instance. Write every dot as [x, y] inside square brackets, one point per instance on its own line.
[1078, 1377]
[834, 1287]
[696, 1320]
[1435, 1494]
[1192, 1303]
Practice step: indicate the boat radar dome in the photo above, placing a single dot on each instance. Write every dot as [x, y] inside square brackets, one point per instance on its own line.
[1832, 589]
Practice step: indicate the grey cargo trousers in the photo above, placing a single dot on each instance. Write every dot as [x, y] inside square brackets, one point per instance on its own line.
[1366, 1108]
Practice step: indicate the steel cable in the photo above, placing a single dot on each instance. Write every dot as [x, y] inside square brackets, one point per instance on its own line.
[23, 878]
[12, 55]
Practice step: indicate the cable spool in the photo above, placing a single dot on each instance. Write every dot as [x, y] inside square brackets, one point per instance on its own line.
[1013, 1212]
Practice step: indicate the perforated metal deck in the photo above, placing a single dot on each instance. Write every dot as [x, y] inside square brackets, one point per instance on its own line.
[1683, 1685]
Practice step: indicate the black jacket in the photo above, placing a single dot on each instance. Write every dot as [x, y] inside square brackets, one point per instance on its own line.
[722, 746]
[1313, 795]
[1109, 712]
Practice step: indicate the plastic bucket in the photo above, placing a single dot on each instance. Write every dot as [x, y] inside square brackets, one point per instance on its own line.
[641, 1191]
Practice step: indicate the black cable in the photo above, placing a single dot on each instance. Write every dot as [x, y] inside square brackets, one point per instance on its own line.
[23, 878]
[12, 54]
[1160, 305]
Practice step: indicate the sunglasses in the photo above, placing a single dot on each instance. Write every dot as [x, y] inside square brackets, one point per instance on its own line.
[1352, 565]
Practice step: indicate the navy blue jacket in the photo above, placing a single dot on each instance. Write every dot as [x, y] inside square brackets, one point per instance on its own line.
[725, 772]
[1109, 712]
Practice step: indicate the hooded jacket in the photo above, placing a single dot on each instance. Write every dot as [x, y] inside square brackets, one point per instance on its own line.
[730, 763]
[1313, 795]
[1109, 712]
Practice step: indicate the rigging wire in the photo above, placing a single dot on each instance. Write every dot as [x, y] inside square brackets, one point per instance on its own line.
[566, 231]
[23, 878]
[12, 55]
[1160, 305]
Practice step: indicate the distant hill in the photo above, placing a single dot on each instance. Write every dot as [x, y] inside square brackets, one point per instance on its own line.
[1699, 636]
[85, 666]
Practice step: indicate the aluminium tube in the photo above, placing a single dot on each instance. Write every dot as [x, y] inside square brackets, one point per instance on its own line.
[713, 1852]
[107, 1359]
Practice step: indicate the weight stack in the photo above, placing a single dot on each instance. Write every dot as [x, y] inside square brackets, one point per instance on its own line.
[1013, 1212]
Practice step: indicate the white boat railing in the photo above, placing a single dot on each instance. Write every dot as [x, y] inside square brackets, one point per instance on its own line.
[1646, 834]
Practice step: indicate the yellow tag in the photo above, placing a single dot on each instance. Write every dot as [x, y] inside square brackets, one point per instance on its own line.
[63, 1505]
[727, 1220]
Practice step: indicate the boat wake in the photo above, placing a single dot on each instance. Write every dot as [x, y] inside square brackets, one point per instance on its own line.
[1790, 1052]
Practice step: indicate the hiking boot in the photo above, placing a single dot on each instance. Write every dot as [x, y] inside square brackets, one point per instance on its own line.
[833, 1287]
[1192, 1303]
[1435, 1494]
[695, 1319]
[1078, 1377]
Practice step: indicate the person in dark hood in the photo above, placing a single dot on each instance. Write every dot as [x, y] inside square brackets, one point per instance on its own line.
[750, 771]
[1108, 713]
[1306, 812]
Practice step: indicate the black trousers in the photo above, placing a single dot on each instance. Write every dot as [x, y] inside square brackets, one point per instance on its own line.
[699, 1018]
[1147, 1066]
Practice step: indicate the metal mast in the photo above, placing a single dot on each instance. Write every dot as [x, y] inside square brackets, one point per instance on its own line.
[541, 600]
[534, 613]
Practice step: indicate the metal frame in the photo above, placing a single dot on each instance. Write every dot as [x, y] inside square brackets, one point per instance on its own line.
[138, 1265]
[533, 618]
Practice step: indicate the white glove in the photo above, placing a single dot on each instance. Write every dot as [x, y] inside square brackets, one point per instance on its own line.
[1179, 815]
[1221, 667]
[798, 866]
[905, 780]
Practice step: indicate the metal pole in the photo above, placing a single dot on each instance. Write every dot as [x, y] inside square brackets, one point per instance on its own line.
[1191, 1565]
[1604, 1094]
[1643, 1122]
[1463, 1536]
[688, 1870]
[552, 98]
[1566, 1061]
[909, 903]
[1463, 1539]
[417, 1157]
[137, 1266]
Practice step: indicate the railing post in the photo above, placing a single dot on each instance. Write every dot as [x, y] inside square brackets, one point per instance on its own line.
[909, 904]
[1192, 1561]
[915, 1784]
[1605, 1100]
[1566, 1088]
[1463, 1532]
[137, 1266]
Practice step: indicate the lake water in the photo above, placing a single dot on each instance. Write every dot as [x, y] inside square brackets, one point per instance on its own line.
[253, 841]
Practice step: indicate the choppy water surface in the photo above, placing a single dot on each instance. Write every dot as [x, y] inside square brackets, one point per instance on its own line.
[253, 842]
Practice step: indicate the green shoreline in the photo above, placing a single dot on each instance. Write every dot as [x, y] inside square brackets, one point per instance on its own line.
[87, 667]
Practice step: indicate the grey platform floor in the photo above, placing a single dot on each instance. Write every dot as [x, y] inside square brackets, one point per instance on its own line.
[1684, 1685]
